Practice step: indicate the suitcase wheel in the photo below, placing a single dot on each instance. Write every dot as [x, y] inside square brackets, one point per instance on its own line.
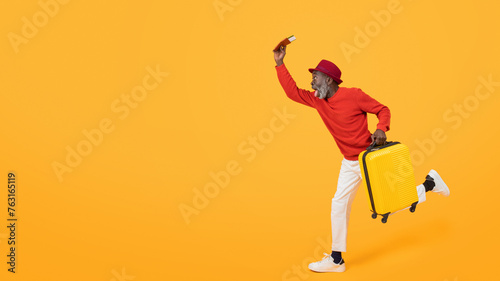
[413, 207]
[384, 217]
[374, 216]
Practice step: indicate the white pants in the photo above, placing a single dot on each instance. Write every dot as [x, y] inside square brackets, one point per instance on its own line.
[347, 186]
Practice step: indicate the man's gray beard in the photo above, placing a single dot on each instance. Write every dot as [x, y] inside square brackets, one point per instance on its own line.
[322, 91]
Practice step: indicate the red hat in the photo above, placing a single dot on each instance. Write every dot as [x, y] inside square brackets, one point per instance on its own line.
[330, 69]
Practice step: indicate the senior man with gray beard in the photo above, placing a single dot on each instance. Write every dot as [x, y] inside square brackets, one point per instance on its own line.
[344, 112]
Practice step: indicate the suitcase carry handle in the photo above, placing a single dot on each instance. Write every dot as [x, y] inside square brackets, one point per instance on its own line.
[374, 145]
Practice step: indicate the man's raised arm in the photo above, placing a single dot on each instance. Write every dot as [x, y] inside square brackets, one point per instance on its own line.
[292, 91]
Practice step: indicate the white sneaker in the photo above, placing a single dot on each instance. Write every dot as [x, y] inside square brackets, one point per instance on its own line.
[327, 265]
[440, 186]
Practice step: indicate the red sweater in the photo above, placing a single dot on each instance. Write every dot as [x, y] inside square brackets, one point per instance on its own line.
[344, 114]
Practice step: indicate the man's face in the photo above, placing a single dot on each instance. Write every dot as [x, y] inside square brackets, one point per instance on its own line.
[319, 84]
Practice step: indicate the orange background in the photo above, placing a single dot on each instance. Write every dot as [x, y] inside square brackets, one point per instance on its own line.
[117, 213]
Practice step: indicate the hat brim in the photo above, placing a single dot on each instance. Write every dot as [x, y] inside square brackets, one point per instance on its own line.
[338, 80]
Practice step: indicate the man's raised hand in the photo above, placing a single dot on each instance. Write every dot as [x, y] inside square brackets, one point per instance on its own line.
[279, 55]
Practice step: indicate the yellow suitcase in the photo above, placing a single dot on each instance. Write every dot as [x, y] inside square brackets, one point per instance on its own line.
[388, 179]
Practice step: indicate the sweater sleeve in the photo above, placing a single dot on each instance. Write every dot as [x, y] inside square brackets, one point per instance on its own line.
[292, 91]
[370, 105]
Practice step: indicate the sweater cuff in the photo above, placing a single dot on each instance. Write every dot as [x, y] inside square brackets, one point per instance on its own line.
[383, 127]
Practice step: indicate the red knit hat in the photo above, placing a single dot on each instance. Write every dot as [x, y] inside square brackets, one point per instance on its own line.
[330, 69]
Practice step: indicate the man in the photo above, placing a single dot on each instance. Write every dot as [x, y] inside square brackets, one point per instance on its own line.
[344, 112]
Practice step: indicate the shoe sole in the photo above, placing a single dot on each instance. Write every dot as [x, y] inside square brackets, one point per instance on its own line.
[341, 268]
[445, 190]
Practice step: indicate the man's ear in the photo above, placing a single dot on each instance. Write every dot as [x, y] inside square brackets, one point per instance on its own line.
[329, 80]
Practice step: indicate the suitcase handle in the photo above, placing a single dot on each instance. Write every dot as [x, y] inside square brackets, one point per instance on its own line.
[374, 146]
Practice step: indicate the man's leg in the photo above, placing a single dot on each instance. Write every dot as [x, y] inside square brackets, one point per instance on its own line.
[347, 186]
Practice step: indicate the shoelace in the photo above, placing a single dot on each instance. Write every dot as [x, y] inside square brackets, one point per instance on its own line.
[326, 258]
